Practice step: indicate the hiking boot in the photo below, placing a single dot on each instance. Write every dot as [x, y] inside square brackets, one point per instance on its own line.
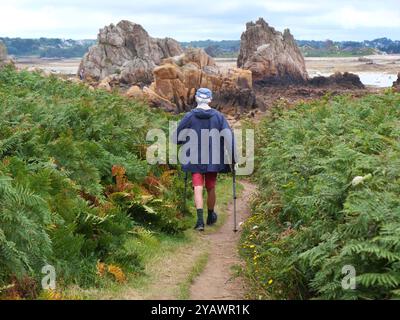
[212, 219]
[199, 226]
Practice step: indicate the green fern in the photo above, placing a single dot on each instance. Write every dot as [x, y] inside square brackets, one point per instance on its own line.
[58, 144]
[311, 220]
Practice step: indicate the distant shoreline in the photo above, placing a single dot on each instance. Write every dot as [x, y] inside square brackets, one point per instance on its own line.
[381, 71]
[68, 48]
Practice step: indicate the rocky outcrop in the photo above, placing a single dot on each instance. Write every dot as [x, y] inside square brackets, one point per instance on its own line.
[135, 92]
[127, 52]
[344, 80]
[269, 54]
[178, 78]
[3, 55]
[396, 84]
[365, 60]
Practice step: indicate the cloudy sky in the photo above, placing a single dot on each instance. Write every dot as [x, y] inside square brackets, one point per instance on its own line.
[205, 19]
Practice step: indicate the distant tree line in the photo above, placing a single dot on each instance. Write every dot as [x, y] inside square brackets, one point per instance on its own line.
[47, 47]
[60, 48]
[230, 48]
[224, 48]
[348, 48]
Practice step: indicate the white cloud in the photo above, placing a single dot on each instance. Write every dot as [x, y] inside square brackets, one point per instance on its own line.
[194, 19]
[49, 21]
[349, 17]
[290, 6]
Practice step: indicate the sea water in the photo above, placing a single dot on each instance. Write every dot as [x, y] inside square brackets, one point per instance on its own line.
[376, 79]
[371, 79]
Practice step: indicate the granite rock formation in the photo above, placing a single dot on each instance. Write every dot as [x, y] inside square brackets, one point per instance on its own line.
[269, 54]
[127, 52]
[396, 84]
[3, 55]
[178, 78]
[345, 80]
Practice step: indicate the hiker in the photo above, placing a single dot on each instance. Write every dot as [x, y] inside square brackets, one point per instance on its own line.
[81, 74]
[215, 159]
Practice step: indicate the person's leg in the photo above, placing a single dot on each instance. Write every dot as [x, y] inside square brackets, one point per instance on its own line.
[198, 197]
[211, 199]
[211, 181]
[198, 183]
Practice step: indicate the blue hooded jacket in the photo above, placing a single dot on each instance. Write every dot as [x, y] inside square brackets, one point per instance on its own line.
[198, 120]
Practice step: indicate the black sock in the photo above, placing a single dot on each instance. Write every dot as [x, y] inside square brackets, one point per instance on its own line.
[210, 212]
[200, 217]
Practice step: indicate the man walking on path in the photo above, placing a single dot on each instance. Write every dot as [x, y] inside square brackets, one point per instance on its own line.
[206, 132]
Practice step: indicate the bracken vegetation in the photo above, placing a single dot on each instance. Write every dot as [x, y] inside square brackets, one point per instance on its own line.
[77, 193]
[74, 183]
[329, 197]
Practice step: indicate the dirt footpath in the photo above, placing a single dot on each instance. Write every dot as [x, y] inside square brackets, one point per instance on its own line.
[217, 281]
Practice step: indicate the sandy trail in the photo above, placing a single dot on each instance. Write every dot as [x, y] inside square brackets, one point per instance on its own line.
[169, 271]
[217, 281]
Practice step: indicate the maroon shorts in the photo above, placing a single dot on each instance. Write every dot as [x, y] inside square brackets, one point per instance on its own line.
[209, 179]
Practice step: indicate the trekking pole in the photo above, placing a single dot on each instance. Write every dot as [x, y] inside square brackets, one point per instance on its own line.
[234, 199]
[185, 192]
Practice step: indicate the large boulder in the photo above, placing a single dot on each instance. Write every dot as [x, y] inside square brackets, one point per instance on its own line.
[177, 79]
[396, 84]
[135, 92]
[269, 54]
[3, 55]
[344, 80]
[126, 50]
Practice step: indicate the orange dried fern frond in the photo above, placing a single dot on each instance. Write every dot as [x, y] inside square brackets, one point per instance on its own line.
[122, 182]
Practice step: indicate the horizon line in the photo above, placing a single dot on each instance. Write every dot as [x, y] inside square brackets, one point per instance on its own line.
[183, 41]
